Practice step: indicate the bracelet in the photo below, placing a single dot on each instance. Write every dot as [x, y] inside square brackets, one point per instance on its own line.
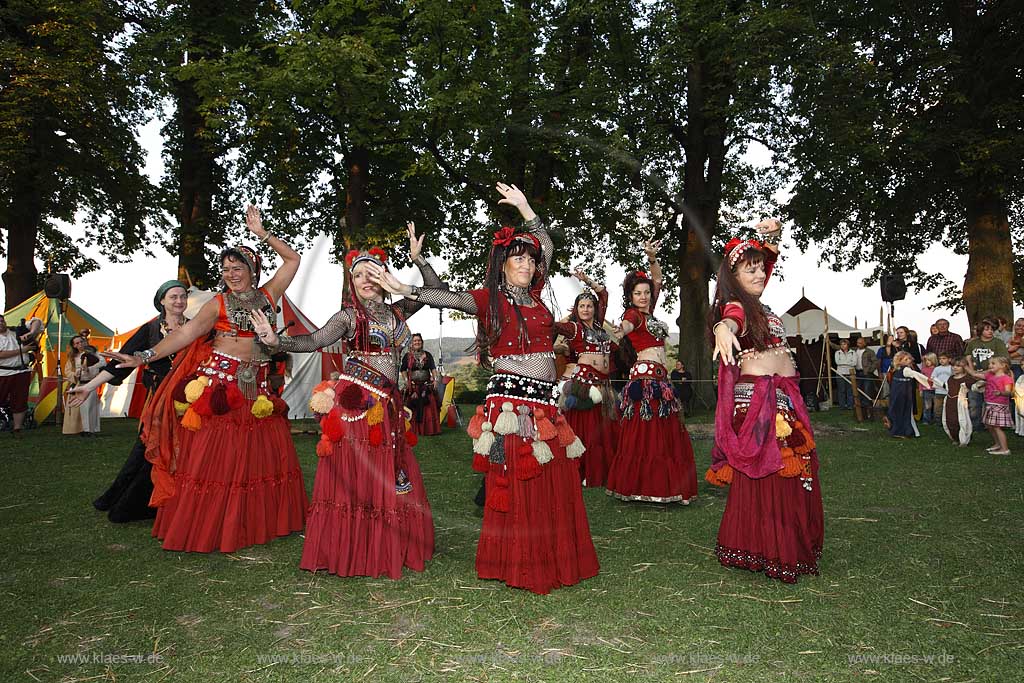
[266, 237]
[414, 292]
[714, 328]
[532, 223]
[146, 355]
[773, 238]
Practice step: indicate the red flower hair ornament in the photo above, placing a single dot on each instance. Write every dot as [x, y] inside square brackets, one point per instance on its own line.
[507, 235]
[357, 256]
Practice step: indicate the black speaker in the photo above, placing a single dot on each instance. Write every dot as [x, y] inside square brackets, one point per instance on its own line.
[58, 286]
[893, 288]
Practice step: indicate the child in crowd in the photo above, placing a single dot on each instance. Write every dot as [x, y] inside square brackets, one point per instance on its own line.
[902, 393]
[998, 390]
[928, 363]
[956, 416]
[939, 375]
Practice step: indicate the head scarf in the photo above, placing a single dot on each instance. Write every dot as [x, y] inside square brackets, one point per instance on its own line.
[161, 292]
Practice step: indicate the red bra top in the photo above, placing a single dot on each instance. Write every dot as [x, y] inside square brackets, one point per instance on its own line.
[641, 336]
[223, 324]
[538, 319]
[776, 330]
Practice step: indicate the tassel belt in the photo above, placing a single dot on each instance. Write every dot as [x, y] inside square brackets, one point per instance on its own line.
[743, 393]
[250, 375]
[588, 375]
[645, 369]
[518, 387]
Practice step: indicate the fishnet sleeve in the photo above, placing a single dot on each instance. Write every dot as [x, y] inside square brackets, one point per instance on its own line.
[536, 226]
[444, 298]
[430, 279]
[340, 325]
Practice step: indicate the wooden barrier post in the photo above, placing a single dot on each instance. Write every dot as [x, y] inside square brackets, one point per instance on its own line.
[856, 395]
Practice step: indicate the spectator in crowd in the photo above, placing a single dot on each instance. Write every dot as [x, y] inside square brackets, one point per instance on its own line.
[998, 390]
[1003, 331]
[867, 376]
[1016, 348]
[89, 367]
[900, 422]
[845, 360]
[982, 347]
[928, 364]
[945, 341]
[681, 380]
[72, 372]
[907, 341]
[885, 354]
[16, 370]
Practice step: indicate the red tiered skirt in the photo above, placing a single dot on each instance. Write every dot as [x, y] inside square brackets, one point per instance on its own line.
[774, 524]
[238, 483]
[359, 524]
[542, 541]
[654, 457]
[593, 423]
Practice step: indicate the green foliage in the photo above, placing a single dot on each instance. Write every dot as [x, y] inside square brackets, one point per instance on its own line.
[68, 113]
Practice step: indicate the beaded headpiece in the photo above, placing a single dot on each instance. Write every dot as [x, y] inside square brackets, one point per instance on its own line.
[735, 247]
[507, 235]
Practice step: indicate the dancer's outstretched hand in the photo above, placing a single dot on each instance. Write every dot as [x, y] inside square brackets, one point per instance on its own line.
[725, 342]
[123, 359]
[513, 196]
[415, 243]
[263, 329]
[768, 227]
[77, 395]
[651, 248]
[255, 222]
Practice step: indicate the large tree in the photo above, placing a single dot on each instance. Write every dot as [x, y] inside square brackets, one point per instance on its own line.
[68, 114]
[909, 132]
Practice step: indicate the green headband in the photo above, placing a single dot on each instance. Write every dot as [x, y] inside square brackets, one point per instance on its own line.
[162, 291]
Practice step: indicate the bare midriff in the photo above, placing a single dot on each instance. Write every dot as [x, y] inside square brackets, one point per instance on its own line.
[773, 364]
[598, 361]
[237, 347]
[654, 354]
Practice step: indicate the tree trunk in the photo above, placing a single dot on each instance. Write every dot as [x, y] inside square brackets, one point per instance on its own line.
[22, 233]
[694, 275]
[357, 192]
[195, 190]
[988, 287]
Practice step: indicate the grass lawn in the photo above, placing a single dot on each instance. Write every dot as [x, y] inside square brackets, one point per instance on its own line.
[921, 580]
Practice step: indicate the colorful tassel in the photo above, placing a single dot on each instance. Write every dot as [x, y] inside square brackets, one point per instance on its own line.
[324, 447]
[481, 463]
[179, 390]
[194, 389]
[475, 427]
[499, 498]
[723, 477]
[411, 438]
[526, 429]
[333, 425]
[201, 405]
[219, 400]
[527, 466]
[326, 385]
[262, 407]
[507, 423]
[280, 406]
[782, 428]
[791, 467]
[645, 410]
[545, 430]
[569, 402]
[375, 415]
[376, 436]
[235, 398]
[191, 420]
[564, 431]
[497, 452]
[596, 395]
[575, 449]
[180, 407]
[351, 398]
[542, 452]
[321, 403]
[486, 440]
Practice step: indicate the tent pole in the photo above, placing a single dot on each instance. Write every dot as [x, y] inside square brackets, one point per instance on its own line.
[59, 412]
[827, 348]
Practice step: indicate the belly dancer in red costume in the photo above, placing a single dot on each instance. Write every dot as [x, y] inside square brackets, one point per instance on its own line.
[654, 457]
[764, 448]
[587, 399]
[227, 476]
[370, 515]
[535, 533]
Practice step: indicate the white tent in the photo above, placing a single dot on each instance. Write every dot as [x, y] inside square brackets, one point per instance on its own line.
[804, 318]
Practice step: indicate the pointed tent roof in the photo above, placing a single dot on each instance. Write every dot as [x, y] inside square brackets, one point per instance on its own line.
[67, 324]
[810, 321]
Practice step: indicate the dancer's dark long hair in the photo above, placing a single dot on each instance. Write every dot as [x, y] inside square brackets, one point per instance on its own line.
[574, 316]
[630, 283]
[728, 289]
[489, 329]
